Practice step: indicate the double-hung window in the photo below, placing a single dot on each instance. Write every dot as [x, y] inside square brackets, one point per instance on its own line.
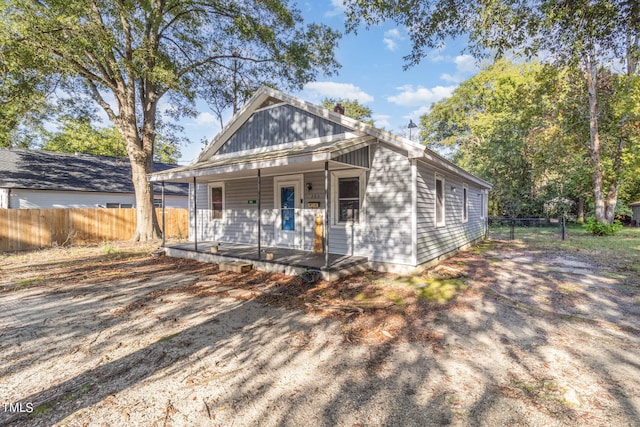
[216, 200]
[465, 203]
[349, 199]
[440, 201]
[347, 192]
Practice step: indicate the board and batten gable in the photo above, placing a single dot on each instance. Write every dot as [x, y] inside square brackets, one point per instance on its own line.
[432, 240]
[276, 125]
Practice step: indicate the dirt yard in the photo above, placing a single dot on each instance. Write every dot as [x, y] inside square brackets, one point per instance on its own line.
[502, 335]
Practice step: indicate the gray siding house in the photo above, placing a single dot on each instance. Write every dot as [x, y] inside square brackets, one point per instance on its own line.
[32, 179]
[285, 173]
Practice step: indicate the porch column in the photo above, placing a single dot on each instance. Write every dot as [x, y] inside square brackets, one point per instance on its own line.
[325, 229]
[195, 214]
[163, 223]
[259, 213]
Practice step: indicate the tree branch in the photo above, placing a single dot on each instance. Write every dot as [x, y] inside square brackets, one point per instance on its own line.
[95, 93]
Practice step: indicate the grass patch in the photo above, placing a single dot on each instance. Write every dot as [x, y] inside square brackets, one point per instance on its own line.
[482, 247]
[441, 290]
[620, 251]
[22, 284]
[42, 409]
[29, 282]
[168, 337]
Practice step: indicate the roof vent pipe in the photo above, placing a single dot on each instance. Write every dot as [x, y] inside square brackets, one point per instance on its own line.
[339, 108]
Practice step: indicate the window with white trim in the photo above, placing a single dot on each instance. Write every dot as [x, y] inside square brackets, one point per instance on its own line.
[440, 201]
[347, 193]
[465, 203]
[216, 200]
[349, 199]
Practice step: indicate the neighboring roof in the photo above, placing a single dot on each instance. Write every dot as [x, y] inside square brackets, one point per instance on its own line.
[43, 170]
[210, 161]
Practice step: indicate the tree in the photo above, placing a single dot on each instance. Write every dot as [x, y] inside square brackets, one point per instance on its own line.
[80, 136]
[582, 33]
[352, 108]
[126, 56]
[23, 95]
[496, 125]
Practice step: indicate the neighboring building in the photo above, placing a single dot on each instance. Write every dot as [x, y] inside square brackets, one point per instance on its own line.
[635, 218]
[387, 199]
[41, 179]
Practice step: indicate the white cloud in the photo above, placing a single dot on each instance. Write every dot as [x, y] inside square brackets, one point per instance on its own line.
[465, 67]
[337, 8]
[390, 44]
[391, 38]
[465, 63]
[381, 120]
[319, 90]
[420, 96]
[206, 118]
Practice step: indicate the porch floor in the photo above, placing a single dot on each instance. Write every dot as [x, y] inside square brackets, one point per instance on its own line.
[288, 261]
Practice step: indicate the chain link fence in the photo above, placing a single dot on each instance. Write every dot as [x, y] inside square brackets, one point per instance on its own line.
[506, 228]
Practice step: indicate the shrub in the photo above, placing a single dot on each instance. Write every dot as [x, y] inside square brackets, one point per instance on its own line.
[601, 228]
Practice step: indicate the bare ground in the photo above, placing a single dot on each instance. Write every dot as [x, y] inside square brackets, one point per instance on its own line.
[112, 336]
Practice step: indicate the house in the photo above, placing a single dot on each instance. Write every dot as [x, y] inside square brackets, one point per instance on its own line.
[635, 218]
[40, 179]
[288, 174]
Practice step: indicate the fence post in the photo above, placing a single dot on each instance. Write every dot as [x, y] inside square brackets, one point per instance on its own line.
[512, 229]
[564, 228]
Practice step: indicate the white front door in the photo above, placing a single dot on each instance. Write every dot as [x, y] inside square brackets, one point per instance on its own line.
[289, 199]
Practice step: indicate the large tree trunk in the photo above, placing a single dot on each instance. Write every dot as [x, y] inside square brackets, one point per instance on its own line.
[147, 222]
[591, 69]
[141, 159]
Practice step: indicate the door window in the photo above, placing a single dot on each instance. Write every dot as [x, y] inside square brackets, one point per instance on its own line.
[287, 208]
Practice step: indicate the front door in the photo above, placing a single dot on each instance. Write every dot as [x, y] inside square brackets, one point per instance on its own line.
[288, 227]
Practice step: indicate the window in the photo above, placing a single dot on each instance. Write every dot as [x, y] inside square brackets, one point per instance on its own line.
[439, 201]
[119, 205]
[481, 195]
[216, 200]
[347, 193]
[349, 199]
[157, 203]
[465, 204]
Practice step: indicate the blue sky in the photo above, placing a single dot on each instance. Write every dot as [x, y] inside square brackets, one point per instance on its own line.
[372, 72]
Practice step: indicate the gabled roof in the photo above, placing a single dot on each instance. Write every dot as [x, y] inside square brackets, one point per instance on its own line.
[212, 161]
[43, 170]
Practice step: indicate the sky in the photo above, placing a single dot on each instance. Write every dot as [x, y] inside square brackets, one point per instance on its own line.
[372, 73]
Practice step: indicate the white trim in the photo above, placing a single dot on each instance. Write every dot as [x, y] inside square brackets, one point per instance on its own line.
[216, 184]
[465, 203]
[414, 211]
[437, 176]
[361, 174]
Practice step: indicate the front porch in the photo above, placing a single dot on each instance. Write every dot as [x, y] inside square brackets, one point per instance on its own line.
[285, 261]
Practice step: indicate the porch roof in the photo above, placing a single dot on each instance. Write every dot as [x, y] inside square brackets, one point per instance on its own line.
[293, 157]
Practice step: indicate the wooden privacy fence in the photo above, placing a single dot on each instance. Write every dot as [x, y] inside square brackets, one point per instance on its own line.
[25, 229]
